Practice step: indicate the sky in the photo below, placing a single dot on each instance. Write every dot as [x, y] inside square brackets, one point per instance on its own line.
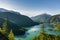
[32, 7]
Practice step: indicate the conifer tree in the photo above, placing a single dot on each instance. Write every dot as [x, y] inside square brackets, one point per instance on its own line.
[56, 37]
[11, 35]
[0, 30]
[42, 35]
[42, 28]
[4, 26]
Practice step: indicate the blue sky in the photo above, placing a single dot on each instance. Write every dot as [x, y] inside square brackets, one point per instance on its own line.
[32, 7]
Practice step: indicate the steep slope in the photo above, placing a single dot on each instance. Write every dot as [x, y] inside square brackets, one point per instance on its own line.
[54, 19]
[17, 18]
[15, 21]
[15, 28]
[3, 10]
[41, 18]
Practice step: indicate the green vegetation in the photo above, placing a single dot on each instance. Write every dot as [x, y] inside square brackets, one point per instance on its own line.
[3, 30]
[11, 35]
[42, 28]
[44, 36]
[4, 26]
[57, 26]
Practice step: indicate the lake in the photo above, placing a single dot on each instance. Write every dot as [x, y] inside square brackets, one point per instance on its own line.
[35, 30]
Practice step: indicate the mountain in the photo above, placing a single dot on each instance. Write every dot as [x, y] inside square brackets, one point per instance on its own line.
[15, 21]
[41, 18]
[54, 19]
[15, 28]
[3, 10]
[17, 18]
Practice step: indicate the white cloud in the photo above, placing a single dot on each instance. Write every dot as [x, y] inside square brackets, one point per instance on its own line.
[31, 13]
[27, 12]
[22, 11]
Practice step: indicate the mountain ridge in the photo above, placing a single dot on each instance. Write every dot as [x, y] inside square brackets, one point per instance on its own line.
[16, 21]
[53, 19]
[41, 18]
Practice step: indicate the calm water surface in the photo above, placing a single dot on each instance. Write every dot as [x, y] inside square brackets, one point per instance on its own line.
[35, 30]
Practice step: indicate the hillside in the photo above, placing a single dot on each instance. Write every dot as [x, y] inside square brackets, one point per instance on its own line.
[20, 20]
[54, 19]
[41, 18]
[15, 21]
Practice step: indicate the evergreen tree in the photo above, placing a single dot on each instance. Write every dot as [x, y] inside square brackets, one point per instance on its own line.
[42, 35]
[35, 38]
[4, 26]
[11, 35]
[42, 28]
[56, 37]
[0, 30]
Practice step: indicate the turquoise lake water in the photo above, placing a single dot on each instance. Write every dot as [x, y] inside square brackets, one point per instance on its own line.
[35, 30]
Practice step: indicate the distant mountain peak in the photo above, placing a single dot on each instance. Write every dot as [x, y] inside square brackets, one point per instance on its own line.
[41, 18]
[45, 14]
[5, 10]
